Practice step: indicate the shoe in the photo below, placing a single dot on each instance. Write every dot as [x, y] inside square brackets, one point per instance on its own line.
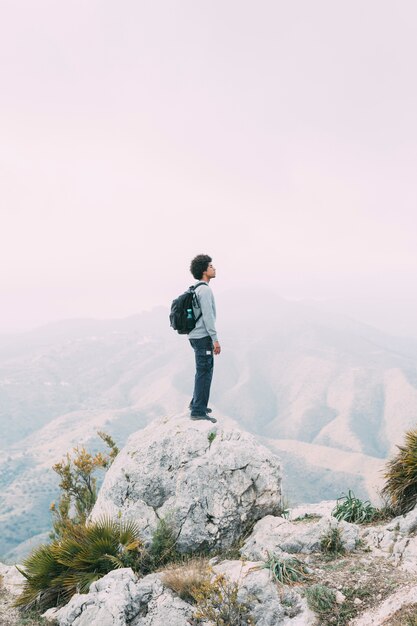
[207, 409]
[204, 417]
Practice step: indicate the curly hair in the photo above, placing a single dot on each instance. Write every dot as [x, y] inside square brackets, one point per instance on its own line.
[199, 265]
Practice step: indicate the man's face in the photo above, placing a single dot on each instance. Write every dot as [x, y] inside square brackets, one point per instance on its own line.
[211, 271]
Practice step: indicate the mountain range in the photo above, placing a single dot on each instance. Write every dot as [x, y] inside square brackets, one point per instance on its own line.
[331, 396]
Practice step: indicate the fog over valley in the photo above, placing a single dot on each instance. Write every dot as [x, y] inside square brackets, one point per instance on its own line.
[331, 396]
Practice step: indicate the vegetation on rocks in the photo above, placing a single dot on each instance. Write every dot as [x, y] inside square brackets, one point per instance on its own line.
[187, 578]
[321, 599]
[79, 485]
[80, 552]
[401, 476]
[351, 509]
[332, 543]
[217, 601]
[54, 572]
[286, 570]
[162, 549]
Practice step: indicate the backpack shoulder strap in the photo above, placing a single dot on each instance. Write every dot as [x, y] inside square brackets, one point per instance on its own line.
[195, 297]
[198, 284]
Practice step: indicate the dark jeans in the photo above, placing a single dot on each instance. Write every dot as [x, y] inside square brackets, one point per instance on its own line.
[203, 350]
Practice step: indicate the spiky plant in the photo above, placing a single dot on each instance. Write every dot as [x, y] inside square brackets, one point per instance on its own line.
[54, 572]
[351, 509]
[400, 488]
[331, 543]
[286, 570]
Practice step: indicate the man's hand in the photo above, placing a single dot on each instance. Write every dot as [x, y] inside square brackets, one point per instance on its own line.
[216, 347]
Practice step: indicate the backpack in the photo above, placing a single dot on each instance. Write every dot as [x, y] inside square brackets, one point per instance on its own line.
[181, 317]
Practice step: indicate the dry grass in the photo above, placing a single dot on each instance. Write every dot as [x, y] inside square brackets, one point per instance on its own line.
[185, 579]
[406, 616]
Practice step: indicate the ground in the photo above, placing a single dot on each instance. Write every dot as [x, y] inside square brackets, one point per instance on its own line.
[10, 616]
[364, 580]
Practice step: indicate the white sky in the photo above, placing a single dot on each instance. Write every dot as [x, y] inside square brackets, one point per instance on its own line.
[279, 137]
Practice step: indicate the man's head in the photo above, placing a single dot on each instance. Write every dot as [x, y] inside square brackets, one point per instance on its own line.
[201, 267]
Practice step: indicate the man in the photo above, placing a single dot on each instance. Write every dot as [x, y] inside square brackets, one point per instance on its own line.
[203, 338]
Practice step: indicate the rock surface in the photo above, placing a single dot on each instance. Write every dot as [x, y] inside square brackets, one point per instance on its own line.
[257, 589]
[120, 599]
[12, 579]
[396, 540]
[277, 534]
[386, 609]
[212, 482]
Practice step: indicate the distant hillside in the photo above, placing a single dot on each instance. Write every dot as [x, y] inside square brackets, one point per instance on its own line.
[331, 396]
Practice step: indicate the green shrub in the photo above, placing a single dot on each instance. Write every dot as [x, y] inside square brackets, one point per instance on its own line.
[401, 476]
[54, 572]
[79, 485]
[211, 437]
[321, 599]
[286, 570]
[217, 601]
[163, 546]
[332, 542]
[351, 509]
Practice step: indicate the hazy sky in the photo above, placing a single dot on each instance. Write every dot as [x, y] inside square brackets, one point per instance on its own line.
[279, 137]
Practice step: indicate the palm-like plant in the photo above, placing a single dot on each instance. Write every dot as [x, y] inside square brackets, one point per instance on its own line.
[401, 476]
[286, 570]
[351, 509]
[56, 571]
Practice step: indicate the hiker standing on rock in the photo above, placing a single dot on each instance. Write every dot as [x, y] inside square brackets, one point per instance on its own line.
[203, 338]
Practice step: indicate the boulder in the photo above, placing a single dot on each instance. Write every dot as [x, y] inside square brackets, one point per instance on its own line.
[404, 554]
[256, 589]
[277, 534]
[120, 599]
[405, 524]
[395, 540]
[317, 509]
[212, 483]
[270, 605]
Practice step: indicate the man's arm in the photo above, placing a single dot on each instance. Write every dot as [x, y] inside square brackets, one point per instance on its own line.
[205, 297]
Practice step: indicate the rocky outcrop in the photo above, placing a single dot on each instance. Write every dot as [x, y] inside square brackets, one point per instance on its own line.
[213, 483]
[269, 605]
[120, 599]
[276, 535]
[396, 540]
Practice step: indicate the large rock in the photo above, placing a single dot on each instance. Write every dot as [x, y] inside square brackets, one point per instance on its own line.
[269, 605]
[395, 540]
[277, 534]
[212, 482]
[120, 599]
